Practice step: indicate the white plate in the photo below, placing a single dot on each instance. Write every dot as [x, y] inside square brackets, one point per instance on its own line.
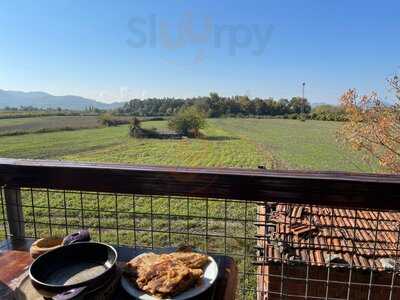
[209, 277]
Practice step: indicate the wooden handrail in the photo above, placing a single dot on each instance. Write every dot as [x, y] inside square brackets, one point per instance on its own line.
[322, 188]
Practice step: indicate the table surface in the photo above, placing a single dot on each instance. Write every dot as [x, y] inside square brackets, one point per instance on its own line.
[15, 261]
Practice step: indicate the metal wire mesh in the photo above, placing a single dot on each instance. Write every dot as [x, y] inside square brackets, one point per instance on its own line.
[215, 226]
[282, 251]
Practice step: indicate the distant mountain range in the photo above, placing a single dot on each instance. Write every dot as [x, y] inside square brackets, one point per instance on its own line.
[45, 100]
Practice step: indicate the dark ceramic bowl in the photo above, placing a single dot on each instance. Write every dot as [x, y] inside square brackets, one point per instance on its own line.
[68, 271]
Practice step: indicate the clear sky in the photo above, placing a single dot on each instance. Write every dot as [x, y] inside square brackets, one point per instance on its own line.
[115, 50]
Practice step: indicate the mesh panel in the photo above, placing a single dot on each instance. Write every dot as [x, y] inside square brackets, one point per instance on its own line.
[215, 226]
[283, 251]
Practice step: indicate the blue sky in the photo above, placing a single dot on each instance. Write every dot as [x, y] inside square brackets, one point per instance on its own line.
[116, 50]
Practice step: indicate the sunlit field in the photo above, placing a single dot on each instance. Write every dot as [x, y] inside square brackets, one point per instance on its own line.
[20, 126]
[243, 143]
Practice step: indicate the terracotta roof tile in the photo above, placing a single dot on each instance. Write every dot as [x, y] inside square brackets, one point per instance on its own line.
[314, 234]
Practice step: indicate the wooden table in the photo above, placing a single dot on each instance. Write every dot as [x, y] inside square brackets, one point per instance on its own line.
[15, 260]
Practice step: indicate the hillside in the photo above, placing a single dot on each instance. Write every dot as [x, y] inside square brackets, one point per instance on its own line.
[45, 100]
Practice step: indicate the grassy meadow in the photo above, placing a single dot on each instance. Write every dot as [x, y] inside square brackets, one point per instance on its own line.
[297, 145]
[243, 143]
[20, 126]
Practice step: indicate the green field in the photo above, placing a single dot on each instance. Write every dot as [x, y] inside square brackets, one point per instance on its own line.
[20, 126]
[244, 143]
[293, 144]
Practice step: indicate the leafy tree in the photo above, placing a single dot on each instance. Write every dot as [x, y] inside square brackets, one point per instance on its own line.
[283, 106]
[188, 121]
[216, 107]
[373, 127]
[260, 107]
[245, 104]
[232, 106]
[299, 105]
[136, 131]
[134, 128]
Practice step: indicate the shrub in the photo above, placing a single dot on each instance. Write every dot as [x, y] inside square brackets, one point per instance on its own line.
[109, 120]
[136, 131]
[188, 121]
[328, 112]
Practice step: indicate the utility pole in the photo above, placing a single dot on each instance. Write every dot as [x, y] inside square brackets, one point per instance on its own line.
[302, 103]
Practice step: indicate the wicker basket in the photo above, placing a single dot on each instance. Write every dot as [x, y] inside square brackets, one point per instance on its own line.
[45, 245]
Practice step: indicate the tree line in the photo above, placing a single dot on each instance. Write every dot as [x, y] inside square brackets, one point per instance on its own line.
[213, 106]
[216, 106]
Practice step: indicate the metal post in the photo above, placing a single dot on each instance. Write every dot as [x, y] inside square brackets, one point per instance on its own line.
[15, 215]
[302, 102]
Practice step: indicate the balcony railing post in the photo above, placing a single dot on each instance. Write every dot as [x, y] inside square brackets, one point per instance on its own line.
[15, 215]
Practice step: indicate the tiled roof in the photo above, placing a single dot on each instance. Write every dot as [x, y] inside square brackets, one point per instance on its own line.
[321, 236]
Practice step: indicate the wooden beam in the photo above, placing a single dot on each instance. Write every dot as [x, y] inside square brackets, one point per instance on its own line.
[320, 188]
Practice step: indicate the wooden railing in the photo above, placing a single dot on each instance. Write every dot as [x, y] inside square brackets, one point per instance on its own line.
[320, 188]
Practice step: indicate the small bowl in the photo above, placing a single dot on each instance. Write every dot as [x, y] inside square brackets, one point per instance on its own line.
[45, 245]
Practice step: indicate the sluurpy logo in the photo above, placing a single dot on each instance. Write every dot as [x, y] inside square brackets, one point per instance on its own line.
[198, 34]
